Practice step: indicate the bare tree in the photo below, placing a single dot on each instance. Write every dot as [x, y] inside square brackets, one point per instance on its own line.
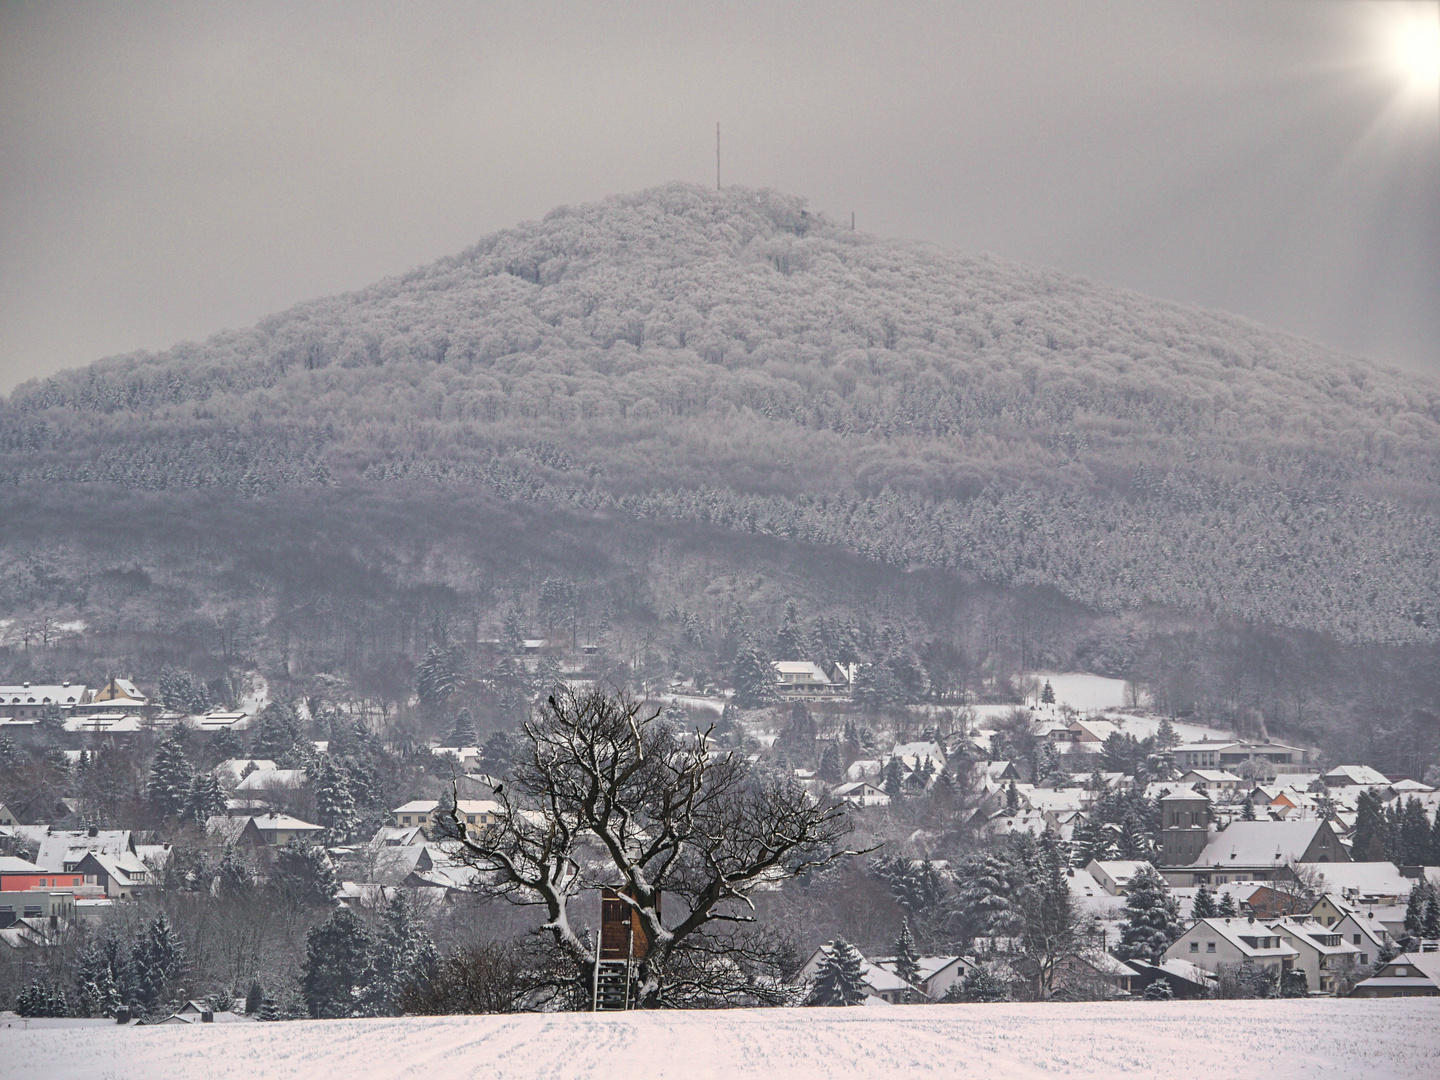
[606, 794]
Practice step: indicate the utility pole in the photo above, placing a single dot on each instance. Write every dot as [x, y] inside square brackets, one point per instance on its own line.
[717, 155]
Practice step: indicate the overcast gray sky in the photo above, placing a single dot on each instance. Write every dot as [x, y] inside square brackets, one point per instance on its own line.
[169, 170]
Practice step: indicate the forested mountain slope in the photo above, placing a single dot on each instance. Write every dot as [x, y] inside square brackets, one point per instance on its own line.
[725, 358]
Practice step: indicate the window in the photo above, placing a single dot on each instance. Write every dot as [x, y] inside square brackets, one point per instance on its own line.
[75, 881]
[1209, 946]
[1357, 939]
[1364, 959]
[470, 818]
[1194, 946]
[1402, 972]
[406, 819]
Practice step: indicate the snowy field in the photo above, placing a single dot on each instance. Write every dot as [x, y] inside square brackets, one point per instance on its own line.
[1312, 1039]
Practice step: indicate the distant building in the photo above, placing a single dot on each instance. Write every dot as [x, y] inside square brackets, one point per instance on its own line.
[26, 702]
[806, 679]
[1230, 755]
[1408, 975]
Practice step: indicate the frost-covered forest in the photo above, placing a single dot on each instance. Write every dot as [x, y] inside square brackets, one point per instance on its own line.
[655, 396]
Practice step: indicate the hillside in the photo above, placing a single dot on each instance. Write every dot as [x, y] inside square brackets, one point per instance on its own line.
[1378, 1040]
[685, 355]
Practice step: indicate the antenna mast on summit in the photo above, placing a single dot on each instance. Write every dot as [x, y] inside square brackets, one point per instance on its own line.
[717, 155]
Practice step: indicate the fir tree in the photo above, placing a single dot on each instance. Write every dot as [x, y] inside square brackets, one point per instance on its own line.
[339, 966]
[1414, 833]
[1225, 907]
[498, 753]
[906, 958]
[97, 990]
[1167, 738]
[334, 801]
[254, 997]
[1012, 799]
[268, 1010]
[892, 780]
[1152, 918]
[1203, 906]
[1367, 842]
[438, 674]
[278, 730]
[1247, 810]
[754, 678]
[832, 765]
[839, 979]
[1433, 859]
[156, 963]
[303, 875]
[463, 733]
[1430, 926]
[169, 779]
[51, 721]
[206, 798]
[1047, 695]
[404, 954]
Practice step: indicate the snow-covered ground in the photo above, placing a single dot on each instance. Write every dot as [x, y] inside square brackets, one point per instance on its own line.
[1084, 692]
[1314, 1039]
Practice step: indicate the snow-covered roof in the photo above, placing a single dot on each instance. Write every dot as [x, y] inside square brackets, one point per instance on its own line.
[106, 723]
[1409, 787]
[9, 864]
[1215, 776]
[43, 694]
[1361, 775]
[261, 779]
[1358, 880]
[1119, 871]
[1256, 843]
[1098, 730]
[58, 848]
[228, 771]
[283, 822]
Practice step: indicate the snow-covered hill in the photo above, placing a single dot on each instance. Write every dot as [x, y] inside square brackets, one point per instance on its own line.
[1374, 1040]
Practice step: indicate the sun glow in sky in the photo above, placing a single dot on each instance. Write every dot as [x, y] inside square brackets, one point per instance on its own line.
[1411, 42]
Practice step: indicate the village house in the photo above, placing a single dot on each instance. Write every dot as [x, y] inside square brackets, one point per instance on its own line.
[26, 702]
[18, 875]
[1208, 780]
[799, 679]
[123, 877]
[1260, 851]
[1114, 875]
[1211, 943]
[879, 982]
[478, 814]
[1343, 776]
[859, 793]
[1230, 755]
[1408, 975]
[276, 830]
[1321, 951]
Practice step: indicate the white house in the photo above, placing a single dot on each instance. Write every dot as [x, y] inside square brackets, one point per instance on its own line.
[1322, 952]
[859, 793]
[1211, 943]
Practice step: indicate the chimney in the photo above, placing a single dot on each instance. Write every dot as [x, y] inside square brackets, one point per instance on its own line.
[94, 830]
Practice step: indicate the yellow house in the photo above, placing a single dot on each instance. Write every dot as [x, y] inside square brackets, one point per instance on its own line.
[478, 814]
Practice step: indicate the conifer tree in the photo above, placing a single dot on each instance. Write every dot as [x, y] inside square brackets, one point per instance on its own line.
[303, 875]
[1225, 907]
[754, 679]
[980, 984]
[206, 798]
[1047, 695]
[334, 801]
[893, 779]
[170, 778]
[1430, 927]
[155, 963]
[1152, 918]
[339, 966]
[1012, 799]
[1414, 833]
[1247, 810]
[1433, 859]
[1203, 906]
[832, 766]
[404, 954]
[463, 733]
[839, 979]
[906, 958]
[1367, 842]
